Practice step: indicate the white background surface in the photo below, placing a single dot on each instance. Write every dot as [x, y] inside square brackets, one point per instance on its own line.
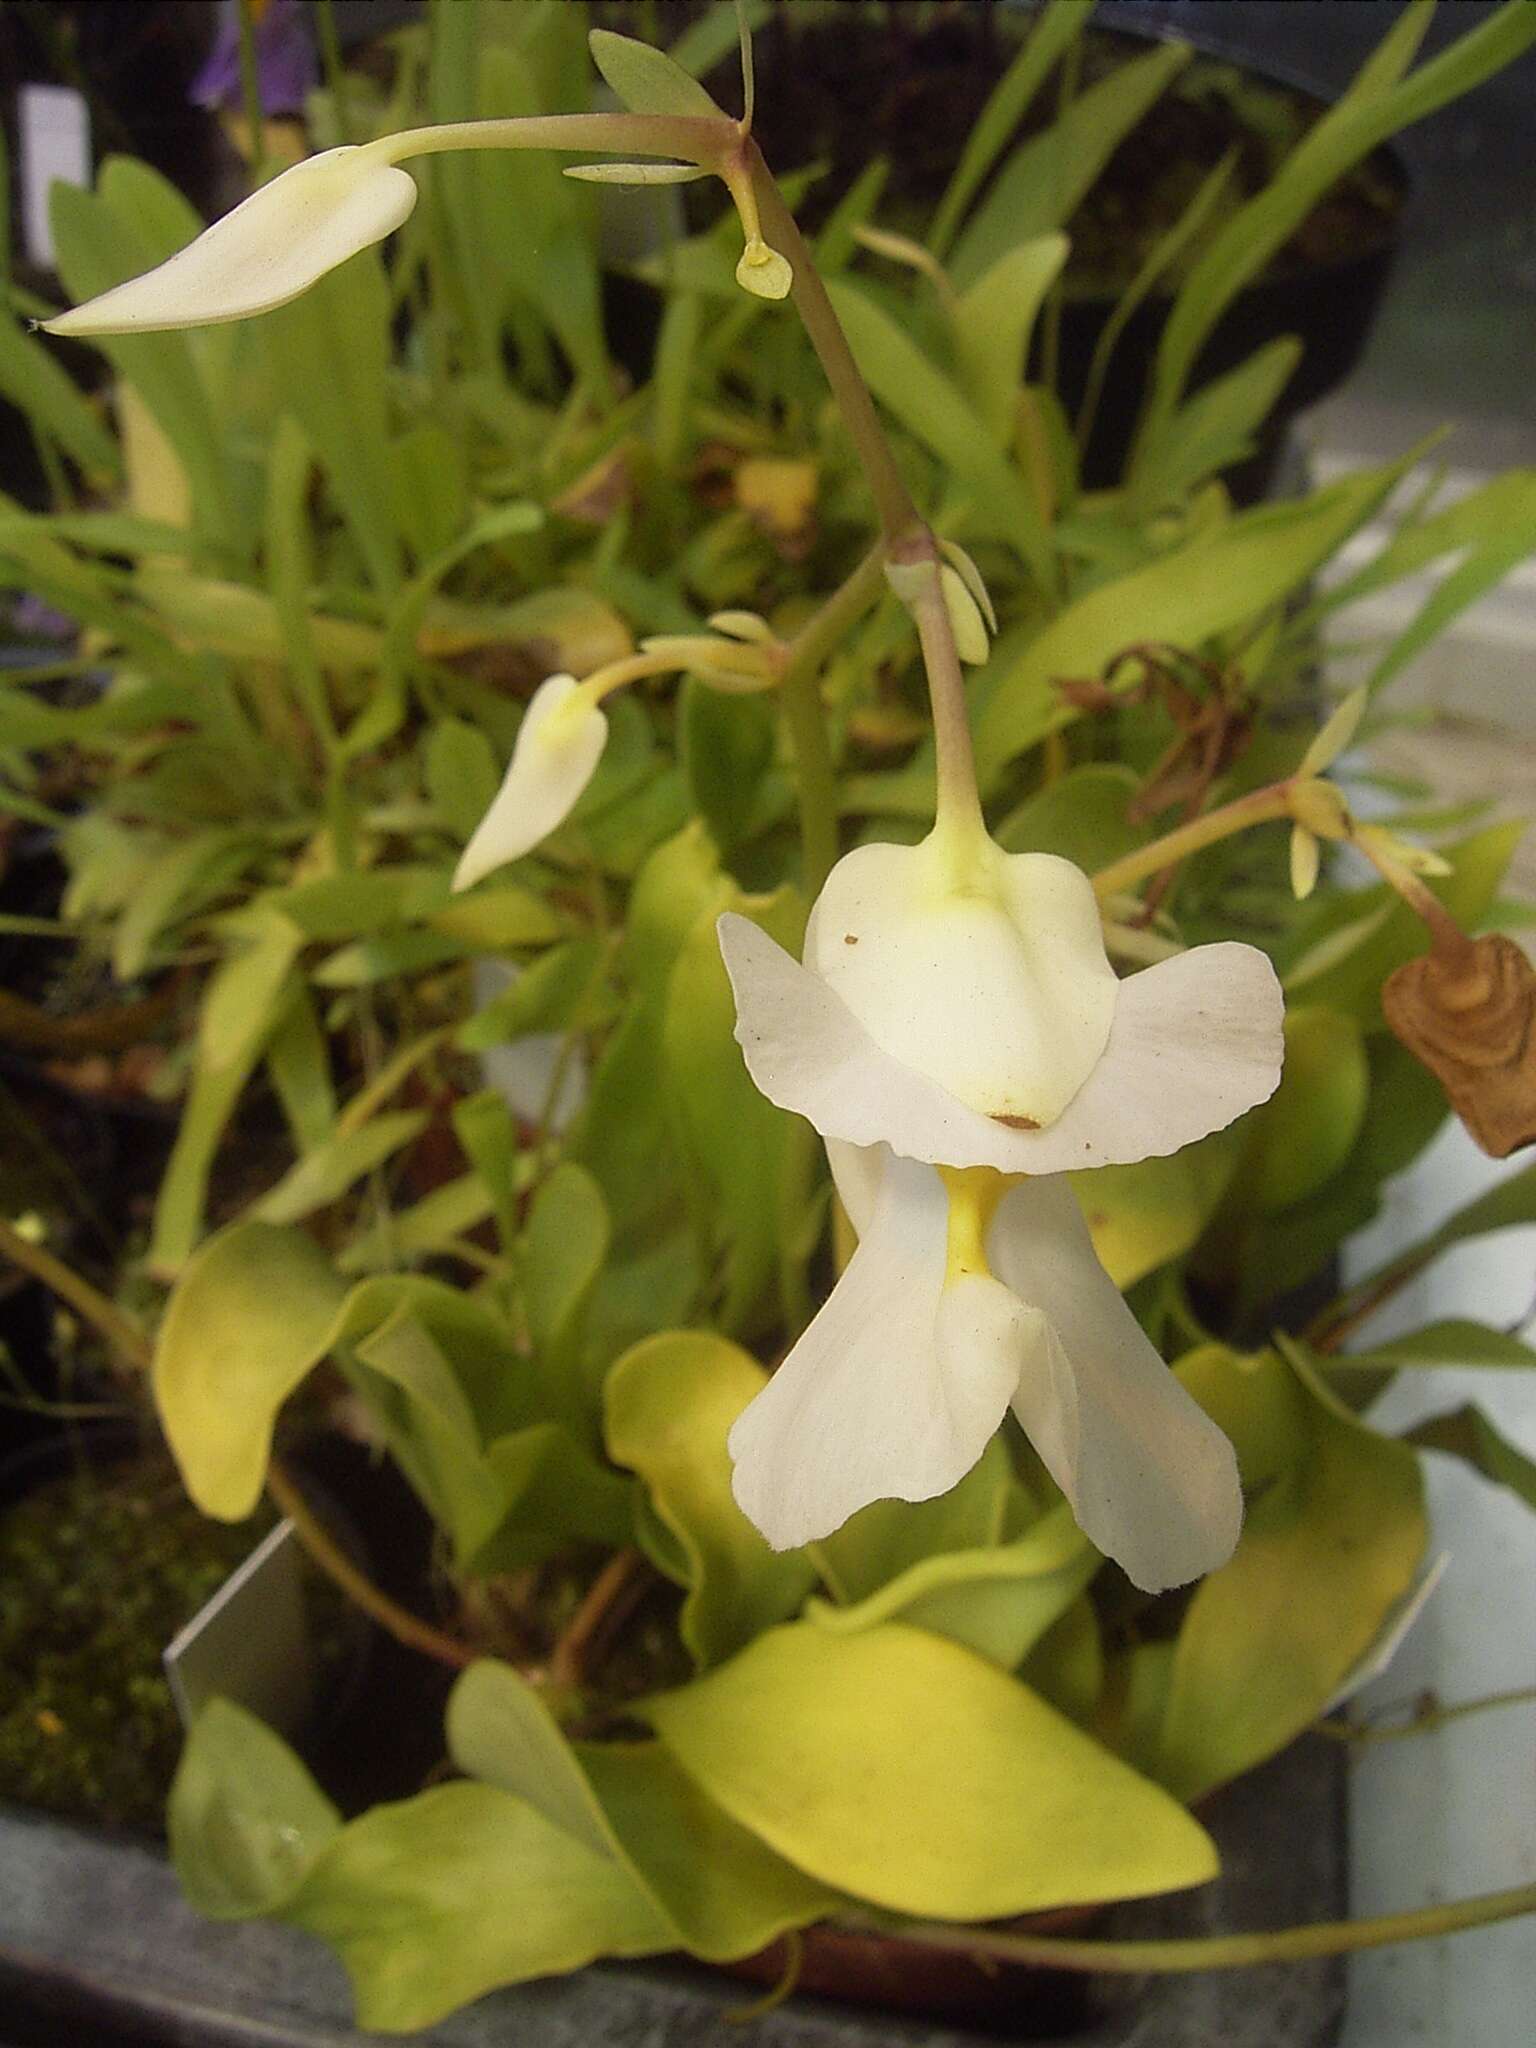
[1452, 1812]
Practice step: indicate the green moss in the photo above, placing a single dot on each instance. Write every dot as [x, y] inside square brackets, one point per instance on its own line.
[98, 1570]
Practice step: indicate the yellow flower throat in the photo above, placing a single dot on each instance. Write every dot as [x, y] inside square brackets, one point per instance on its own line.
[974, 1193]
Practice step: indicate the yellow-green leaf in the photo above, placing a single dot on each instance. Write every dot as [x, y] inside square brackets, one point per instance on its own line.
[1328, 1549]
[898, 1766]
[646, 79]
[997, 1602]
[1302, 1136]
[249, 1319]
[669, 1403]
[245, 1819]
[438, 1899]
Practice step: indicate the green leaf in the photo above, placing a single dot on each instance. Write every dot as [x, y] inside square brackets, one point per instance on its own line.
[1255, 1401]
[190, 870]
[1477, 521]
[427, 1228]
[1141, 1216]
[1084, 816]
[1453, 595]
[1405, 1110]
[299, 1066]
[1040, 185]
[998, 1602]
[1210, 586]
[669, 1403]
[500, 1731]
[555, 1493]
[1304, 1133]
[351, 905]
[993, 322]
[1468, 1434]
[560, 1257]
[485, 1127]
[553, 993]
[436, 1900]
[738, 1144]
[240, 1006]
[1453, 1342]
[1056, 26]
[898, 1766]
[1066, 1666]
[385, 958]
[727, 748]
[630, 1803]
[647, 80]
[248, 1319]
[1255, 1663]
[673, 1835]
[328, 352]
[382, 715]
[233, 619]
[931, 406]
[494, 920]
[1157, 264]
[324, 1175]
[429, 1425]
[36, 385]
[246, 1820]
[429, 469]
[1215, 428]
[883, 1541]
[461, 775]
[246, 1000]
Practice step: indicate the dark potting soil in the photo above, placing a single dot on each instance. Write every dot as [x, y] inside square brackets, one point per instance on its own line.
[98, 1570]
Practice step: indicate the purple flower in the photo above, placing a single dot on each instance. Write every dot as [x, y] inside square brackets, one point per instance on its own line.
[285, 59]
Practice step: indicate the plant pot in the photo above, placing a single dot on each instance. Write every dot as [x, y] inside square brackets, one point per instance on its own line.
[94, 1935]
[917, 103]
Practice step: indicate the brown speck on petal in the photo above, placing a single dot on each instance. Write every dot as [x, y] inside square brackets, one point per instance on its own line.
[1018, 1123]
[850, 938]
[1469, 1015]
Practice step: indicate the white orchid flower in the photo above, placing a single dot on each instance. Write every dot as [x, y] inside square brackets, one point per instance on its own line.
[564, 731]
[269, 249]
[554, 757]
[957, 1004]
[970, 1293]
[957, 1010]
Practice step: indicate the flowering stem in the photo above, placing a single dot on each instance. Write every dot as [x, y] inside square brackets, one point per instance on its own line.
[607, 1603]
[93, 1307]
[1424, 1723]
[701, 141]
[893, 502]
[1260, 807]
[250, 91]
[1220, 1951]
[959, 803]
[1447, 936]
[406, 1628]
[805, 715]
[335, 70]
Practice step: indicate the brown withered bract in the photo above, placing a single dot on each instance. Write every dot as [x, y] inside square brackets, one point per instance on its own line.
[1470, 1016]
